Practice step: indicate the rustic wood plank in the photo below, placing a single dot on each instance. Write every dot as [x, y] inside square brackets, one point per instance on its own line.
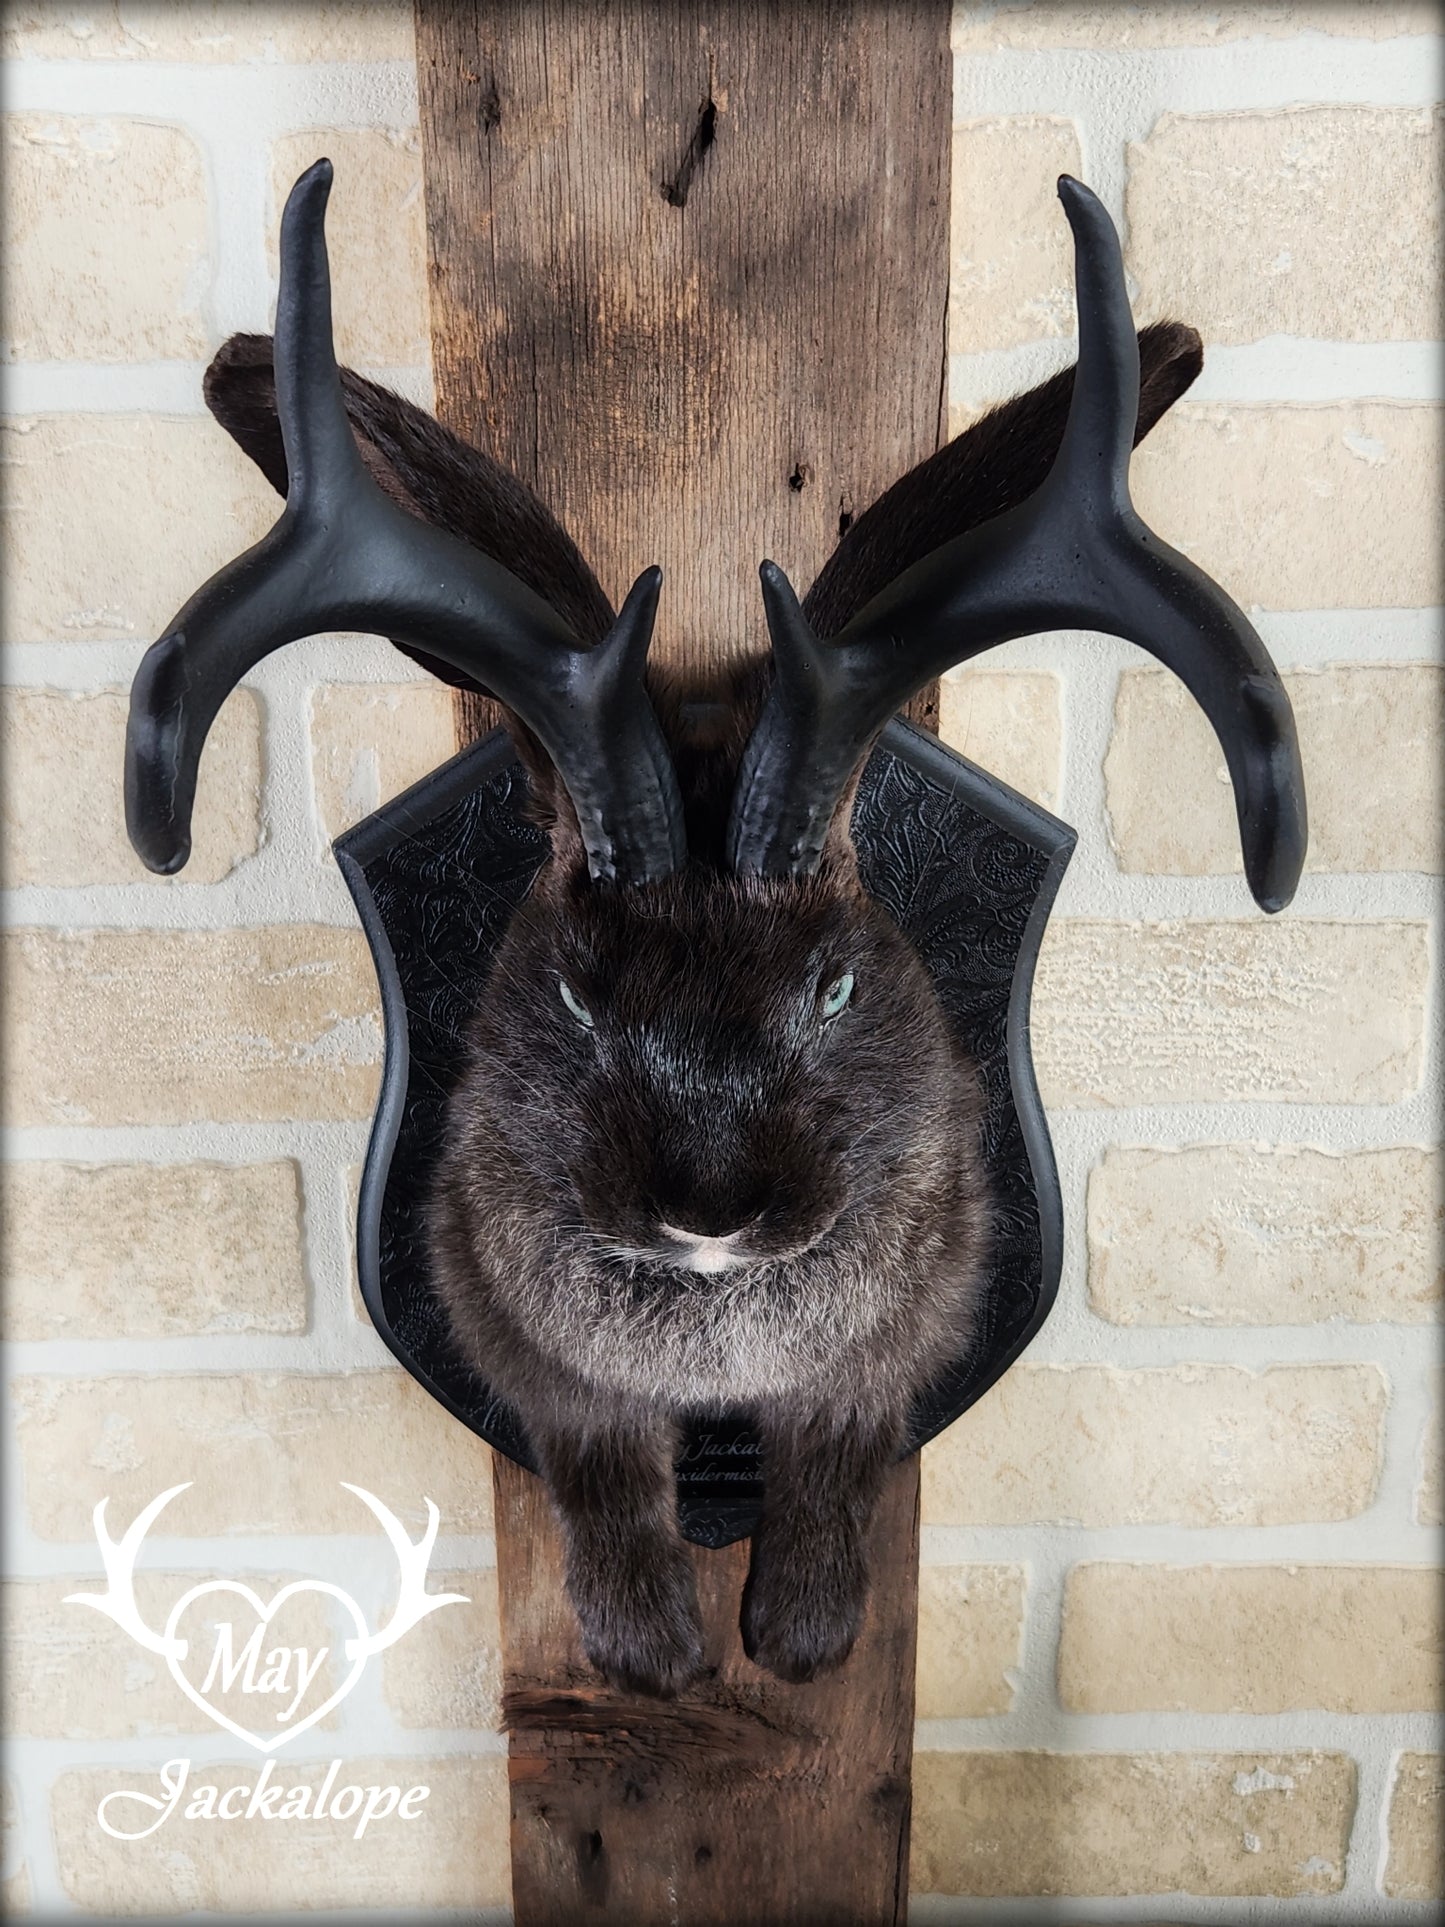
[744, 1803]
[688, 279]
[689, 274]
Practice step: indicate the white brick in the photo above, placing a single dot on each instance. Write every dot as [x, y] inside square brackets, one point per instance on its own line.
[64, 805]
[1242, 222]
[1429, 1507]
[162, 502]
[106, 240]
[1011, 277]
[1180, 23]
[453, 1854]
[1286, 1010]
[1131, 1823]
[72, 1674]
[1370, 743]
[1301, 506]
[447, 1672]
[209, 31]
[14, 1872]
[174, 1026]
[375, 234]
[1234, 1234]
[970, 1638]
[264, 1452]
[370, 742]
[152, 1250]
[1251, 1639]
[1010, 723]
[1417, 1814]
[1195, 1445]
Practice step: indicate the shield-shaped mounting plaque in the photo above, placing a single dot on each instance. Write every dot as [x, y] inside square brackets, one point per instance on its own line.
[967, 868]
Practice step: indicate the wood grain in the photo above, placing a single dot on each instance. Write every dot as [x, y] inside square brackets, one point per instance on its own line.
[744, 1803]
[688, 279]
[689, 271]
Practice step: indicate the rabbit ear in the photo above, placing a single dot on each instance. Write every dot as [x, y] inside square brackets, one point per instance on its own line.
[426, 470]
[552, 810]
[992, 467]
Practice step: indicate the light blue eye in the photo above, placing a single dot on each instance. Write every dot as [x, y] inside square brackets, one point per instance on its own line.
[575, 1004]
[835, 997]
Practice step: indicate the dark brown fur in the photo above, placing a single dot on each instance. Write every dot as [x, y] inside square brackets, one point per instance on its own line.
[590, 1169]
[710, 1094]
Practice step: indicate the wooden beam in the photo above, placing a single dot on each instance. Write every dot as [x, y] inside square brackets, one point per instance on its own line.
[745, 1803]
[689, 270]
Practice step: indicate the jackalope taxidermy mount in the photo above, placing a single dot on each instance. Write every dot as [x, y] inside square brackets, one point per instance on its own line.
[713, 1142]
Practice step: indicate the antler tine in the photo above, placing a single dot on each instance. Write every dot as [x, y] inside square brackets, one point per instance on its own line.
[118, 1601]
[1074, 555]
[314, 430]
[342, 556]
[413, 1556]
[1098, 440]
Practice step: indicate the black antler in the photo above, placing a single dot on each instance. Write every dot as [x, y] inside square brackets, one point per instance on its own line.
[344, 557]
[1074, 555]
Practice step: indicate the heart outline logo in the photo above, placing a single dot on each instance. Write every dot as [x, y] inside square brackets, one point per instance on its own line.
[177, 1649]
[118, 1602]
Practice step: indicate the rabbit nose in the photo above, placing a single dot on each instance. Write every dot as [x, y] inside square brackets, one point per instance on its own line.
[687, 1211]
[697, 1236]
[706, 1254]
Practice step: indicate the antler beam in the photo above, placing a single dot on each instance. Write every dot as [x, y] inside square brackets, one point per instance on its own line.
[343, 556]
[1075, 555]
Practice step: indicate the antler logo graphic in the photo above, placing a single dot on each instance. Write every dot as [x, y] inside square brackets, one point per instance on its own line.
[286, 1672]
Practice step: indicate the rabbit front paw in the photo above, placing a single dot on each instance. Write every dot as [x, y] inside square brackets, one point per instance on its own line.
[640, 1627]
[802, 1610]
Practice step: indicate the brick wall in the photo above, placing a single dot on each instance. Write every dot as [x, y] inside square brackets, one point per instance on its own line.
[1180, 1640]
[194, 1061]
[1194, 1533]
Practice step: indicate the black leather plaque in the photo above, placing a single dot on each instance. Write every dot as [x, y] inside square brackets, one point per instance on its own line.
[966, 867]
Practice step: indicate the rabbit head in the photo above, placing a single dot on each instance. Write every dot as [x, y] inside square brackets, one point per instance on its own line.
[716, 1069]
